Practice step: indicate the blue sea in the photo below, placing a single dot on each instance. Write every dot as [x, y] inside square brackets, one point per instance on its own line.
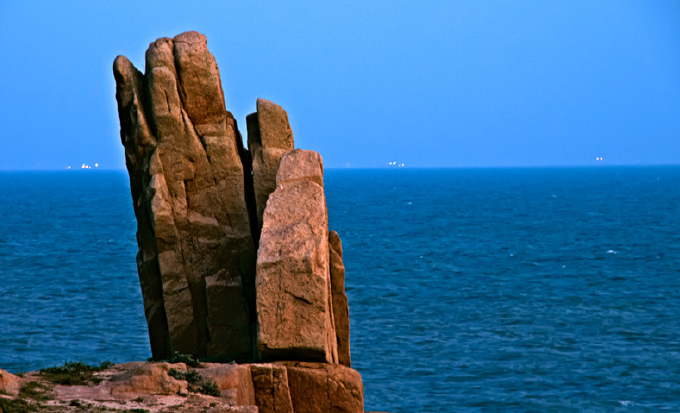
[470, 290]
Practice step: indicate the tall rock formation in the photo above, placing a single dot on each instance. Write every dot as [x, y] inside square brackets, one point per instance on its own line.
[196, 251]
[235, 259]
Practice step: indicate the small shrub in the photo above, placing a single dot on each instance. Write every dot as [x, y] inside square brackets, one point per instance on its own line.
[177, 374]
[192, 376]
[75, 403]
[106, 365]
[210, 388]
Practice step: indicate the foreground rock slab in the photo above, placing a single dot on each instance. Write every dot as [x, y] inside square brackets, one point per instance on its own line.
[150, 387]
[281, 387]
[321, 387]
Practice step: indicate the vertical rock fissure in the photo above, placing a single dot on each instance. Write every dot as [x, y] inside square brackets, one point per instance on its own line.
[249, 195]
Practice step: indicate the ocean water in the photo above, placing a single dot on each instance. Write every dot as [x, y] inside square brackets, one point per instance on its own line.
[470, 290]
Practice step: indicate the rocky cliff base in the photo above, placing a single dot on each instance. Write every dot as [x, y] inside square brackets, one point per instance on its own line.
[281, 387]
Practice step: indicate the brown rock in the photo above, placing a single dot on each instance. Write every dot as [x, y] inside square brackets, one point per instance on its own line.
[320, 387]
[149, 387]
[196, 253]
[269, 137]
[233, 380]
[9, 383]
[300, 166]
[139, 378]
[294, 313]
[339, 298]
[272, 394]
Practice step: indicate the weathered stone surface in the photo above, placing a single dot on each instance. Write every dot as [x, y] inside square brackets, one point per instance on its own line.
[269, 137]
[9, 383]
[339, 298]
[196, 252]
[320, 387]
[300, 166]
[140, 378]
[234, 382]
[272, 394]
[294, 313]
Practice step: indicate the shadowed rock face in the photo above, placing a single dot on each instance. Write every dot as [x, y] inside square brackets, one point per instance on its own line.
[235, 259]
[196, 252]
[340, 306]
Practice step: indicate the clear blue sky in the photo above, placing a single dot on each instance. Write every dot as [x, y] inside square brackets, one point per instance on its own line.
[427, 83]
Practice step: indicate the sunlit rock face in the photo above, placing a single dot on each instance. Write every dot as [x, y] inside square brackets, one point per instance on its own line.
[235, 258]
[294, 241]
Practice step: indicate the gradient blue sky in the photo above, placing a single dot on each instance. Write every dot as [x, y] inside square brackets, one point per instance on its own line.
[426, 83]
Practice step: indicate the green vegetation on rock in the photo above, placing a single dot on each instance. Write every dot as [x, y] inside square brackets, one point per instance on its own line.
[74, 373]
[35, 391]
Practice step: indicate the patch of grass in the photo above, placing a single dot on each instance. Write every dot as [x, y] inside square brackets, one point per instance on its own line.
[72, 374]
[36, 391]
[16, 406]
